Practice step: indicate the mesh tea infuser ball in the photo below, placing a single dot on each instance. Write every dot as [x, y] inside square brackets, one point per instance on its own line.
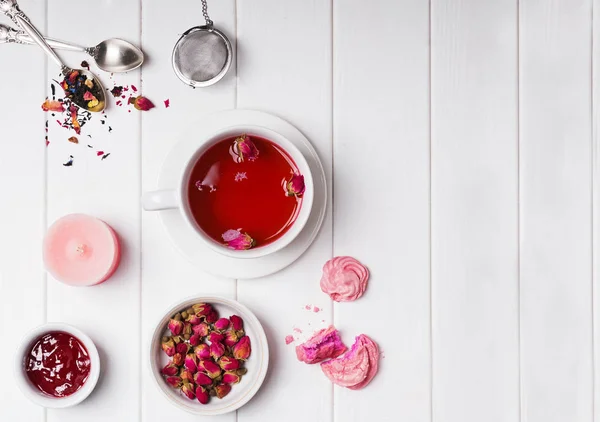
[203, 54]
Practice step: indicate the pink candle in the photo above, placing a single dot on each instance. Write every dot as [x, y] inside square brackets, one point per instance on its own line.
[81, 250]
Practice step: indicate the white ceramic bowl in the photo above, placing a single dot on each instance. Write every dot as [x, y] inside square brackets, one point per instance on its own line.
[256, 364]
[177, 197]
[35, 395]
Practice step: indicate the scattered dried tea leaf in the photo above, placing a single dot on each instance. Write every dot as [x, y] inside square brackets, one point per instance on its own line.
[85, 65]
[70, 162]
[116, 91]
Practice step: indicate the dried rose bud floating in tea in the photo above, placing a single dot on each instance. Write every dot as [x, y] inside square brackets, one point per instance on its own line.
[245, 192]
[58, 364]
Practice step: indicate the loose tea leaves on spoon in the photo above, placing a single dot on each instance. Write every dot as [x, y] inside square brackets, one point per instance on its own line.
[83, 90]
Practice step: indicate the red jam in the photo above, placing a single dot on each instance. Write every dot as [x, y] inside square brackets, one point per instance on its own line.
[250, 195]
[58, 364]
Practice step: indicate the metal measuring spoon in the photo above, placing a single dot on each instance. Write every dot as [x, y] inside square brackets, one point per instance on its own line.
[11, 9]
[112, 55]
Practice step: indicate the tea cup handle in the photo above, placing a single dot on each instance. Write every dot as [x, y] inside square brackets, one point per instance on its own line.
[160, 200]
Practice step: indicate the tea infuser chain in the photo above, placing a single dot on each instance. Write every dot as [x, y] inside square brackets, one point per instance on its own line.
[209, 22]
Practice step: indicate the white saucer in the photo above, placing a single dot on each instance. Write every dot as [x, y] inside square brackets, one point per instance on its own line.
[188, 243]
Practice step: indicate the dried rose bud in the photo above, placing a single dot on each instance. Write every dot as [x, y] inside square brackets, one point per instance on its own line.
[186, 375]
[212, 317]
[215, 337]
[228, 363]
[182, 348]
[236, 322]
[176, 327]
[177, 339]
[187, 328]
[243, 149]
[217, 350]
[202, 351]
[184, 315]
[142, 103]
[241, 371]
[191, 362]
[235, 239]
[231, 378]
[201, 329]
[178, 359]
[222, 324]
[201, 309]
[202, 394]
[231, 338]
[187, 336]
[295, 186]
[211, 368]
[174, 381]
[170, 369]
[177, 316]
[168, 346]
[212, 392]
[222, 390]
[201, 378]
[188, 391]
[194, 319]
[195, 340]
[242, 349]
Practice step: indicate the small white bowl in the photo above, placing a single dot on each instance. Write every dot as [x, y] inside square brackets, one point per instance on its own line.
[256, 364]
[35, 395]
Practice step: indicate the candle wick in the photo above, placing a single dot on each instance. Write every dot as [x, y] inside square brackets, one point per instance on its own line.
[80, 249]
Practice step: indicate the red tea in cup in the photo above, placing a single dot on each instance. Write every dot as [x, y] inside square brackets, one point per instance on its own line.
[245, 192]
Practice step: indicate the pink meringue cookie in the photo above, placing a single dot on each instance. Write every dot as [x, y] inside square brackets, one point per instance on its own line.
[324, 344]
[355, 369]
[344, 279]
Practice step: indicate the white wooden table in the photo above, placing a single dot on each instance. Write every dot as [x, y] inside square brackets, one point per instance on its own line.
[460, 141]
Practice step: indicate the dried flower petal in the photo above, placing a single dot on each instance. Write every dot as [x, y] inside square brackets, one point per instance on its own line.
[295, 186]
[235, 239]
[202, 309]
[117, 91]
[51, 105]
[73, 139]
[242, 349]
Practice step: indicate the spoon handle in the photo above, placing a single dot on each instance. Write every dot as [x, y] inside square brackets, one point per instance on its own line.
[11, 9]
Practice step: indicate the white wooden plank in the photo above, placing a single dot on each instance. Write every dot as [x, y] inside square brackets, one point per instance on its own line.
[474, 157]
[169, 277]
[108, 189]
[285, 68]
[596, 199]
[22, 185]
[381, 158]
[556, 203]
